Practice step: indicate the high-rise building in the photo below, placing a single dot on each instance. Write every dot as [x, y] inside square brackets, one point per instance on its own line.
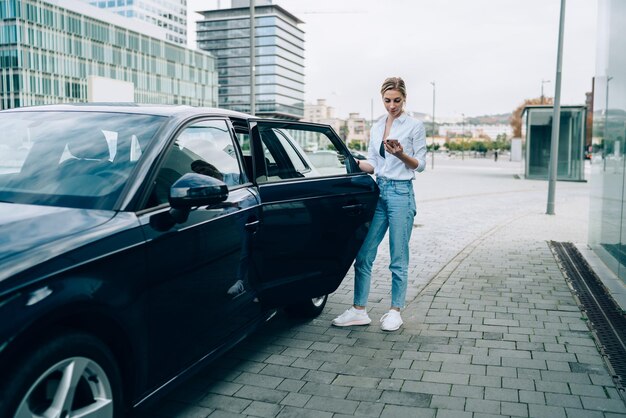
[50, 50]
[170, 15]
[279, 58]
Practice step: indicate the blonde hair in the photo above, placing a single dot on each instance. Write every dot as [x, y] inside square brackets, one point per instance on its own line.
[394, 83]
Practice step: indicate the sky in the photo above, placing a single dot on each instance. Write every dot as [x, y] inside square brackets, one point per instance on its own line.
[484, 56]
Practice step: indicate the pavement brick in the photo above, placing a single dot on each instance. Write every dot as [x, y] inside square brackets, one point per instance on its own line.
[369, 409]
[501, 394]
[319, 376]
[262, 409]
[482, 406]
[332, 404]
[606, 405]
[290, 385]
[224, 414]
[408, 374]
[283, 371]
[585, 413]
[559, 399]
[261, 394]
[224, 403]
[323, 390]
[395, 411]
[406, 398]
[514, 409]
[545, 411]
[295, 399]
[477, 392]
[444, 413]
[428, 388]
[294, 412]
[364, 394]
[532, 397]
[447, 402]
[356, 381]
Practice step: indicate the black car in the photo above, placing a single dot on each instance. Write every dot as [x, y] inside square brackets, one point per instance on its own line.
[140, 242]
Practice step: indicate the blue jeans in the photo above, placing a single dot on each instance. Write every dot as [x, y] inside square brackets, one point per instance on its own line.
[395, 211]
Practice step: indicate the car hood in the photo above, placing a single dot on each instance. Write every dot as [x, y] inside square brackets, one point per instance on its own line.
[28, 231]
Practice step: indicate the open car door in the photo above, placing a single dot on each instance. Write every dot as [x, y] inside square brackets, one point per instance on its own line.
[316, 206]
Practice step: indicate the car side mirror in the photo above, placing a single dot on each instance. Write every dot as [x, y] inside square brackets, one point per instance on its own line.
[194, 189]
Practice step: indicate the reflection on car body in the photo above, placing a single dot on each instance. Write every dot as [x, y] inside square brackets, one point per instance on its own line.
[141, 242]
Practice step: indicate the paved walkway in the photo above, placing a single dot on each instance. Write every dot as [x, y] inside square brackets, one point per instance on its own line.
[491, 328]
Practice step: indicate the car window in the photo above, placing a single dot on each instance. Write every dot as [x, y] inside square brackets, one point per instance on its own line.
[71, 159]
[206, 148]
[296, 151]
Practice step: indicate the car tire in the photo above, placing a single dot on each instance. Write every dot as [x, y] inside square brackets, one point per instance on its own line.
[308, 308]
[37, 382]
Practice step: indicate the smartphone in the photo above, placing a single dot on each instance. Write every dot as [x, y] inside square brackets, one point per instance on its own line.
[393, 143]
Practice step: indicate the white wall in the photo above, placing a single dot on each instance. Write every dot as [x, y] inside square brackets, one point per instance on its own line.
[101, 89]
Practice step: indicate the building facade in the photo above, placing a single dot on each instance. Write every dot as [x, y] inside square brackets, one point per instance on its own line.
[321, 112]
[607, 222]
[357, 132]
[492, 131]
[354, 131]
[50, 49]
[171, 15]
[279, 58]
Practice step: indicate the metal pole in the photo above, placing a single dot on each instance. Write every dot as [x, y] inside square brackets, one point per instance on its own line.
[252, 61]
[433, 150]
[556, 119]
[542, 83]
[606, 123]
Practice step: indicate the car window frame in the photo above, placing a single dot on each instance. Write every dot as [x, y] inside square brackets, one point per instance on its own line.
[327, 130]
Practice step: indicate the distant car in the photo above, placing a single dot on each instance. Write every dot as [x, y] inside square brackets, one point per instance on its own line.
[141, 242]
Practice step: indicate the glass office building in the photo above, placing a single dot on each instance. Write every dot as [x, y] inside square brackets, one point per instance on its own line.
[279, 61]
[607, 224]
[170, 15]
[48, 51]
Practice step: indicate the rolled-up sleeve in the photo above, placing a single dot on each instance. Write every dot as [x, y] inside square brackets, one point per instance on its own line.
[419, 146]
[372, 151]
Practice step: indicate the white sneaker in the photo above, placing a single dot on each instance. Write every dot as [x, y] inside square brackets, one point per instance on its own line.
[352, 316]
[391, 321]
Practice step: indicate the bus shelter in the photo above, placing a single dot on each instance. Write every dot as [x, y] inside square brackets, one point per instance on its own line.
[537, 132]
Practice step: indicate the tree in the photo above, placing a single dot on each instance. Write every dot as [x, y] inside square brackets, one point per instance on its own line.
[516, 117]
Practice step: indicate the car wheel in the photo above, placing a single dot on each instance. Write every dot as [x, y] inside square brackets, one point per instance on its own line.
[70, 375]
[308, 308]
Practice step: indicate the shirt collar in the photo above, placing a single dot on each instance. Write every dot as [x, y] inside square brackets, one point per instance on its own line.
[400, 119]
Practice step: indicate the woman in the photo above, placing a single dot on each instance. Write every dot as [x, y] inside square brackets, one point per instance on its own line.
[397, 149]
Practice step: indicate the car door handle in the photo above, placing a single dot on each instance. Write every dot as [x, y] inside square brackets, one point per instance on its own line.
[252, 226]
[353, 209]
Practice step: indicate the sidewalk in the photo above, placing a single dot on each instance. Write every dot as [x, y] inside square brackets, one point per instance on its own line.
[491, 327]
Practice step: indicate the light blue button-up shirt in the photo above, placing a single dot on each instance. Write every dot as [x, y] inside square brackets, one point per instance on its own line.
[412, 136]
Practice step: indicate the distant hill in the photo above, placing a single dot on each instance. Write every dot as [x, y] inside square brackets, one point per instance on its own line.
[502, 118]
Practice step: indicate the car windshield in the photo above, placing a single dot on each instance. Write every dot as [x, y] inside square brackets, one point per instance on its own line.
[71, 159]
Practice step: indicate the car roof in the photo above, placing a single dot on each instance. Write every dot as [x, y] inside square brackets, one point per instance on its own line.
[151, 109]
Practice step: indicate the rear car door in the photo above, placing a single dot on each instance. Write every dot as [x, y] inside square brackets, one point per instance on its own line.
[200, 293]
[316, 208]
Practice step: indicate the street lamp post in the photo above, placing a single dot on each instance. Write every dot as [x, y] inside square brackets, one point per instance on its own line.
[433, 134]
[556, 119]
[542, 83]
